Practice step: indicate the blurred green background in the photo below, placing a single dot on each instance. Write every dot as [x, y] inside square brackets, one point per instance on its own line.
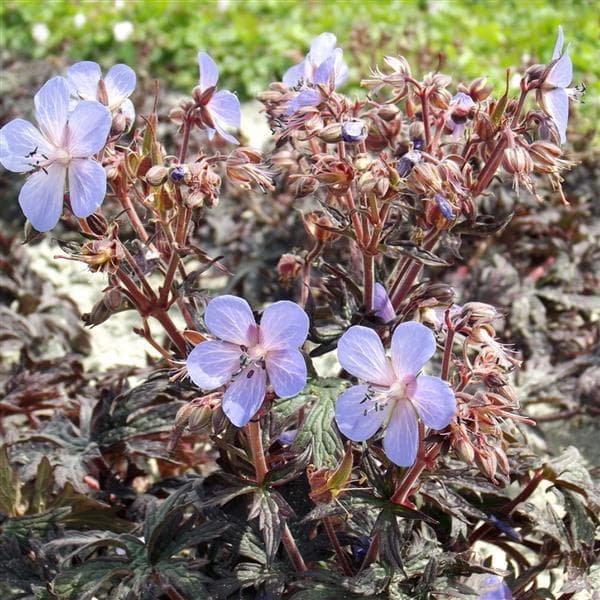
[255, 41]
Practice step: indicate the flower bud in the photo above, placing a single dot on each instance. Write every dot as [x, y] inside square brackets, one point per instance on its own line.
[483, 127]
[198, 418]
[407, 162]
[288, 268]
[177, 115]
[331, 134]
[479, 89]
[354, 131]
[362, 162]
[119, 124]
[464, 449]
[304, 186]
[177, 173]
[157, 175]
[317, 225]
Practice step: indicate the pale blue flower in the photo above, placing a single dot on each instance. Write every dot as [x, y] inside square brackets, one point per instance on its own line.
[324, 64]
[60, 150]
[246, 354]
[222, 108]
[393, 396]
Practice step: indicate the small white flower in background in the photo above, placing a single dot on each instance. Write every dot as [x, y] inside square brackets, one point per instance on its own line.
[40, 33]
[79, 20]
[123, 31]
[222, 5]
[119, 4]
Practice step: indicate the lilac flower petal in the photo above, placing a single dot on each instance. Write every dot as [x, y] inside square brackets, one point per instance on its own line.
[83, 78]
[413, 345]
[324, 73]
[295, 74]
[225, 110]
[89, 125]
[560, 40]
[434, 400]
[87, 186]
[321, 48]
[245, 395]
[52, 109]
[120, 82]
[230, 318]
[556, 104]
[382, 304]
[287, 372]
[350, 414]
[361, 353]
[340, 68]
[128, 111]
[401, 439]
[209, 72]
[495, 589]
[212, 364]
[18, 139]
[41, 197]
[284, 324]
[304, 98]
[561, 73]
[287, 437]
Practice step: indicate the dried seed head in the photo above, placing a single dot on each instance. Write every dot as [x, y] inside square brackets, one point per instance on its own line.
[424, 179]
[517, 161]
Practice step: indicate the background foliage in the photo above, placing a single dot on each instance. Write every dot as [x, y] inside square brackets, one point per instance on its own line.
[254, 42]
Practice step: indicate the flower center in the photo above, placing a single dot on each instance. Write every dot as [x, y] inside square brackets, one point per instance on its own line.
[256, 353]
[62, 156]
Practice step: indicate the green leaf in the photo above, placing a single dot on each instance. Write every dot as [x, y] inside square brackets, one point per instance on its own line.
[42, 488]
[10, 485]
[319, 430]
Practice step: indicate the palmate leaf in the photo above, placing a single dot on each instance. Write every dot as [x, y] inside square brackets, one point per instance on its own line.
[271, 510]
[318, 429]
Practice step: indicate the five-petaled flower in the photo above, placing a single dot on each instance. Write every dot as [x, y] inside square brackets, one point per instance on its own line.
[249, 353]
[84, 80]
[220, 109]
[324, 64]
[394, 397]
[554, 93]
[61, 147]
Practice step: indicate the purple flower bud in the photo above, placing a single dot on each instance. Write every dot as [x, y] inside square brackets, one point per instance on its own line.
[354, 131]
[407, 162]
[444, 206]
[177, 174]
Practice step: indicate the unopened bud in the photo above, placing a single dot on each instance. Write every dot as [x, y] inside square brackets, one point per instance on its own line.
[198, 418]
[483, 127]
[288, 268]
[534, 74]
[177, 174]
[317, 225]
[388, 112]
[157, 175]
[303, 186]
[464, 449]
[119, 124]
[177, 115]
[362, 162]
[480, 311]
[331, 134]
[479, 89]
[407, 162]
[354, 131]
